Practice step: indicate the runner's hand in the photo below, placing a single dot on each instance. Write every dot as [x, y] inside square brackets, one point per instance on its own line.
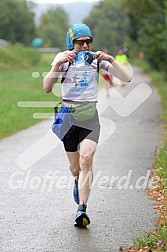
[99, 55]
[67, 57]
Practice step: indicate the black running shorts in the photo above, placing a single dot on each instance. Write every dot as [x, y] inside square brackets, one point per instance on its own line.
[89, 129]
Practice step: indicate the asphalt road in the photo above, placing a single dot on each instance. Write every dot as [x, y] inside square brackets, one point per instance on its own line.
[36, 206]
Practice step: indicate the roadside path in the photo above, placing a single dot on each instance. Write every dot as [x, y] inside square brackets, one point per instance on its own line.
[39, 216]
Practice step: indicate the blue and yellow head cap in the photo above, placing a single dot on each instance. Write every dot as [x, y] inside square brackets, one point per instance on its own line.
[75, 32]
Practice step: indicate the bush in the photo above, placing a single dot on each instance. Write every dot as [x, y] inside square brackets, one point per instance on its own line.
[16, 56]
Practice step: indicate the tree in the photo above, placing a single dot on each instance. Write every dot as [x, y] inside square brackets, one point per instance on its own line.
[16, 21]
[53, 27]
[150, 21]
[109, 25]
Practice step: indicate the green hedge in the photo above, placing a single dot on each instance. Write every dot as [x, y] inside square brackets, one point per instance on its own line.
[15, 56]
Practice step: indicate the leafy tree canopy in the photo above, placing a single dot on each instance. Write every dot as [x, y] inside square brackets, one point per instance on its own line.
[53, 27]
[109, 24]
[16, 21]
[148, 20]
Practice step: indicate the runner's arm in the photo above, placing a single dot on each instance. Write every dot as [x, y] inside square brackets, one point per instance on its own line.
[119, 71]
[51, 78]
[114, 67]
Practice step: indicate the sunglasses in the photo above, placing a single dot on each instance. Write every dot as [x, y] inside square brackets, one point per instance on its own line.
[81, 42]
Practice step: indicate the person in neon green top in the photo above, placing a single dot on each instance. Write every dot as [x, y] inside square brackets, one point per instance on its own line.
[121, 57]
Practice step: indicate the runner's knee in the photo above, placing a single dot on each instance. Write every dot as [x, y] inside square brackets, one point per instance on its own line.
[86, 161]
[75, 170]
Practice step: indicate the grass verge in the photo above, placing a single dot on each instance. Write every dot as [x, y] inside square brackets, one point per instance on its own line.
[17, 84]
[157, 240]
